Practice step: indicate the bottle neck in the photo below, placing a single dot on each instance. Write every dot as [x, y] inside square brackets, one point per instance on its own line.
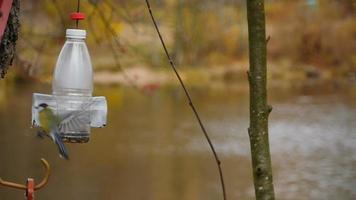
[70, 39]
[72, 92]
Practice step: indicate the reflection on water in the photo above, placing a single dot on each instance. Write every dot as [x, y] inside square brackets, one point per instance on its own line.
[153, 149]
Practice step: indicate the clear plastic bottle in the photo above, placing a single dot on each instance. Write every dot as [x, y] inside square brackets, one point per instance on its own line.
[73, 73]
[72, 85]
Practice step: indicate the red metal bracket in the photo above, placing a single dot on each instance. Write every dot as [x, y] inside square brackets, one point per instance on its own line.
[5, 7]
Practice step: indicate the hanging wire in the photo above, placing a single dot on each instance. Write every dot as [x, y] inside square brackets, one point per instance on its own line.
[78, 9]
[218, 162]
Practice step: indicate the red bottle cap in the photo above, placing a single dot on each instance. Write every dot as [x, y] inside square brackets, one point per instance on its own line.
[77, 16]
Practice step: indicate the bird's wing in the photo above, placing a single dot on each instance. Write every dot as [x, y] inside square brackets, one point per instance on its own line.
[76, 120]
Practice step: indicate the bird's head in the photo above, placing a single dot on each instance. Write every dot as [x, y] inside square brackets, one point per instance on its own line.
[41, 106]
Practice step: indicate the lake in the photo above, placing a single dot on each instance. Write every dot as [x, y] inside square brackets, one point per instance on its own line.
[153, 149]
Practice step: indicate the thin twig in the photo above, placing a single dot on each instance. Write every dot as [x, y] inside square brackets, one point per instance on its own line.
[268, 39]
[108, 31]
[60, 13]
[125, 17]
[39, 54]
[111, 30]
[123, 45]
[91, 27]
[218, 162]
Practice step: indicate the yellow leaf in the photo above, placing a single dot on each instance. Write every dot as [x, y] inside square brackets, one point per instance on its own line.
[117, 26]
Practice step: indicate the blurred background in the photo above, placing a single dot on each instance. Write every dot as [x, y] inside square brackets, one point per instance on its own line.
[152, 147]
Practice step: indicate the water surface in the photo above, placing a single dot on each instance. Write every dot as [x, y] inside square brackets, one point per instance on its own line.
[153, 149]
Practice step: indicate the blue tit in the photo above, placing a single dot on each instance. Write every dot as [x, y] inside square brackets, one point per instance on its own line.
[49, 123]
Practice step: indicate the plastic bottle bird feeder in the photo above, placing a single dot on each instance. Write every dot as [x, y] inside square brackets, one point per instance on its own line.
[72, 88]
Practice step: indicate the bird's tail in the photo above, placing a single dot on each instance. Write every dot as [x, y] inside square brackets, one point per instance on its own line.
[61, 148]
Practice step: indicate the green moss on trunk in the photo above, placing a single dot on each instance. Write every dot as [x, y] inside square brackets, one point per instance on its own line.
[259, 110]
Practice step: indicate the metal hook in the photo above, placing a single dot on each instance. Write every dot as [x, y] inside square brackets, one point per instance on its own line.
[24, 187]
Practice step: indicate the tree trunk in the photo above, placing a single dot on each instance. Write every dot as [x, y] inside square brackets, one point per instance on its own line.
[259, 110]
[8, 42]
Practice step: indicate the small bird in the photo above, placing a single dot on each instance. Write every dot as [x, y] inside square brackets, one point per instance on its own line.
[50, 125]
